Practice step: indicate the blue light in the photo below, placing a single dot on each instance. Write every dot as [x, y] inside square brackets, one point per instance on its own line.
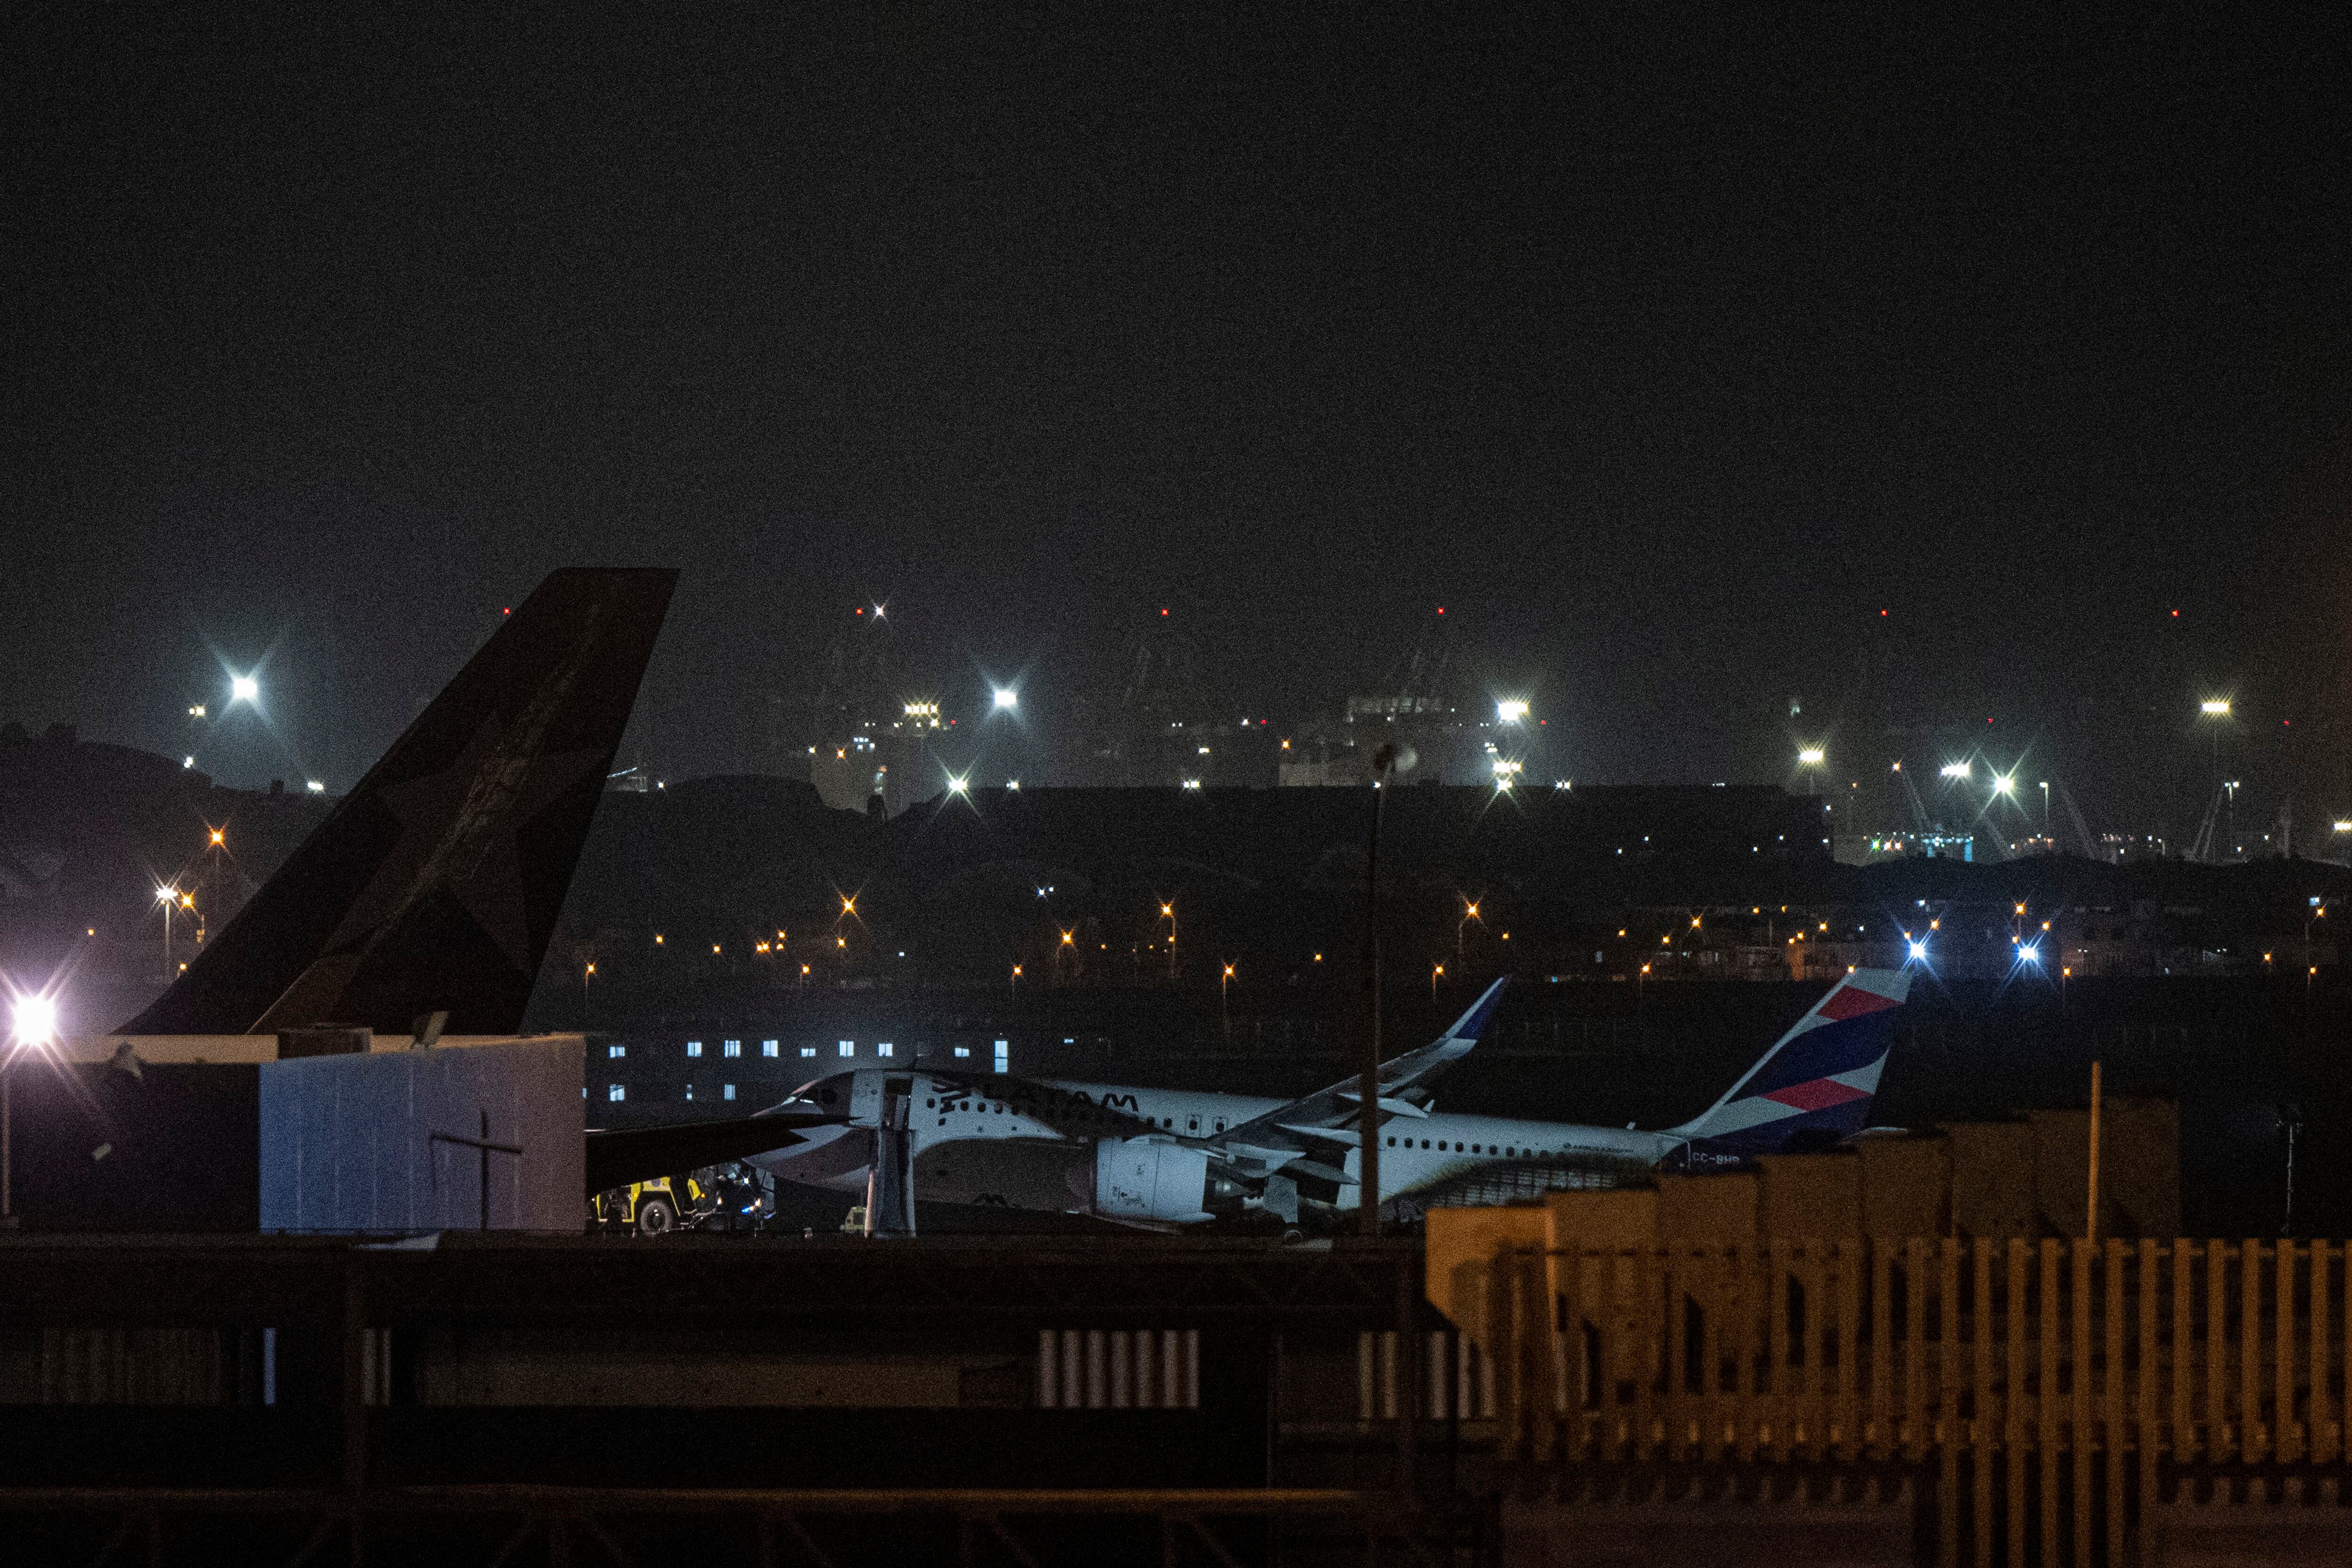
[1920, 951]
[2031, 954]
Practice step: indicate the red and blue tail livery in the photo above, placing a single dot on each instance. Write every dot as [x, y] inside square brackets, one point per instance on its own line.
[1814, 1086]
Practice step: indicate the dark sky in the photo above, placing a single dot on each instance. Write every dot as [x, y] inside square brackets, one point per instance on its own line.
[1666, 346]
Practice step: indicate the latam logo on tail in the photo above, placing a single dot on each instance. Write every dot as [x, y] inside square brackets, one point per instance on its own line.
[1813, 1088]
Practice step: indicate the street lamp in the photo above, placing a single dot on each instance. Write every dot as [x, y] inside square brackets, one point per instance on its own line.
[1469, 913]
[244, 689]
[1006, 699]
[1810, 759]
[1168, 912]
[1436, 973]
[1367, 1088]
[33, 1026]
[167, 897]
[2218, 710]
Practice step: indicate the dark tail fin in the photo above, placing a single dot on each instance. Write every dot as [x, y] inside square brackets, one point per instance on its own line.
[436, 881]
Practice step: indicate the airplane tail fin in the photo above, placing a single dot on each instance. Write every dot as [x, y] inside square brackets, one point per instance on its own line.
[436, 881]
[1816, 1083]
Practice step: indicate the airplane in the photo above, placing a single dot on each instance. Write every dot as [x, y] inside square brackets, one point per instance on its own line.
[1166, 1157]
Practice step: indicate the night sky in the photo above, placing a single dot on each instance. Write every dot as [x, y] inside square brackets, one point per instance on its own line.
[1666, 346]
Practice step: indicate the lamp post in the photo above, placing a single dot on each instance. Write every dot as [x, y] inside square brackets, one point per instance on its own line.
[1469, 913]
[1368, 1110]
[1436, 973]
[167, 896]
[1168, 912]
[33, 1027]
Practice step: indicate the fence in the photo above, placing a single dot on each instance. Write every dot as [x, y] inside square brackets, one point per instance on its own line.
[2046, 1382]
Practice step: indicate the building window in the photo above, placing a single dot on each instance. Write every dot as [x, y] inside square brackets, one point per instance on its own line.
[808, 1050]
[727, 1092]
[963, 1051]
[883, 1048]
[730, 1048]
[1004, 1056]
[617, 1050]
[689, 1091]
[694, 1048]
[767, 1047]
[849, 1048]
[616, 1092]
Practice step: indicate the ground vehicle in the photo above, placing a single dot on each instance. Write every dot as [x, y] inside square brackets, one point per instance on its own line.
[655, 1207]
[713, 1197]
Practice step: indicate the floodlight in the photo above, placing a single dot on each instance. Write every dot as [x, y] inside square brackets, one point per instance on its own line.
[1510, 712]
[244, 689]
[35, 1021]
[1007, 697]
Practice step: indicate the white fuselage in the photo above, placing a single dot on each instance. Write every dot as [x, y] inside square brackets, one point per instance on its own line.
[1416, 1150]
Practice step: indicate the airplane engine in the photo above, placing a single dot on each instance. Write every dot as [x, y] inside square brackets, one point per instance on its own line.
[1140, 1178]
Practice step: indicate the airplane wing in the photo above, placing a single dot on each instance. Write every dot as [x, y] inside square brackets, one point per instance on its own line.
[1320, 1115]
[640, 1153]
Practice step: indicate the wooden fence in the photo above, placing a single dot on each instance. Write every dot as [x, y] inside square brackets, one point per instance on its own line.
[2042, 1382]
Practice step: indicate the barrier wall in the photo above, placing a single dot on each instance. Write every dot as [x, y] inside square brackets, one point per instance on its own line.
[2043, 1382]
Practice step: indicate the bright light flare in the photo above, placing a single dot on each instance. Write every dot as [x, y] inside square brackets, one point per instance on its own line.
[1512, 711]
[2214, 707]
[1812, 756]
[34, 1020]
[958, 786]
[1007, 697]
[244, 689]
[1955, 770]
[2030, 954]
[1920, 951]
[2002, 784]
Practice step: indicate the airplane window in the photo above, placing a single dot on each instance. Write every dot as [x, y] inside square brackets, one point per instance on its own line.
[1191, 1124]
[1511, 1153]
[1392, 1143]
[930, 1104]
[1221, 1124]
[1477, 1148]
[1424, 1143]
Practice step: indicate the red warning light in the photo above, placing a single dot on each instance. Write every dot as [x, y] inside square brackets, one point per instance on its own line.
[2175, 615]
[1882, 615]
[1440, 610]
[1164, 610]
[859, 611]
[507, 610]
